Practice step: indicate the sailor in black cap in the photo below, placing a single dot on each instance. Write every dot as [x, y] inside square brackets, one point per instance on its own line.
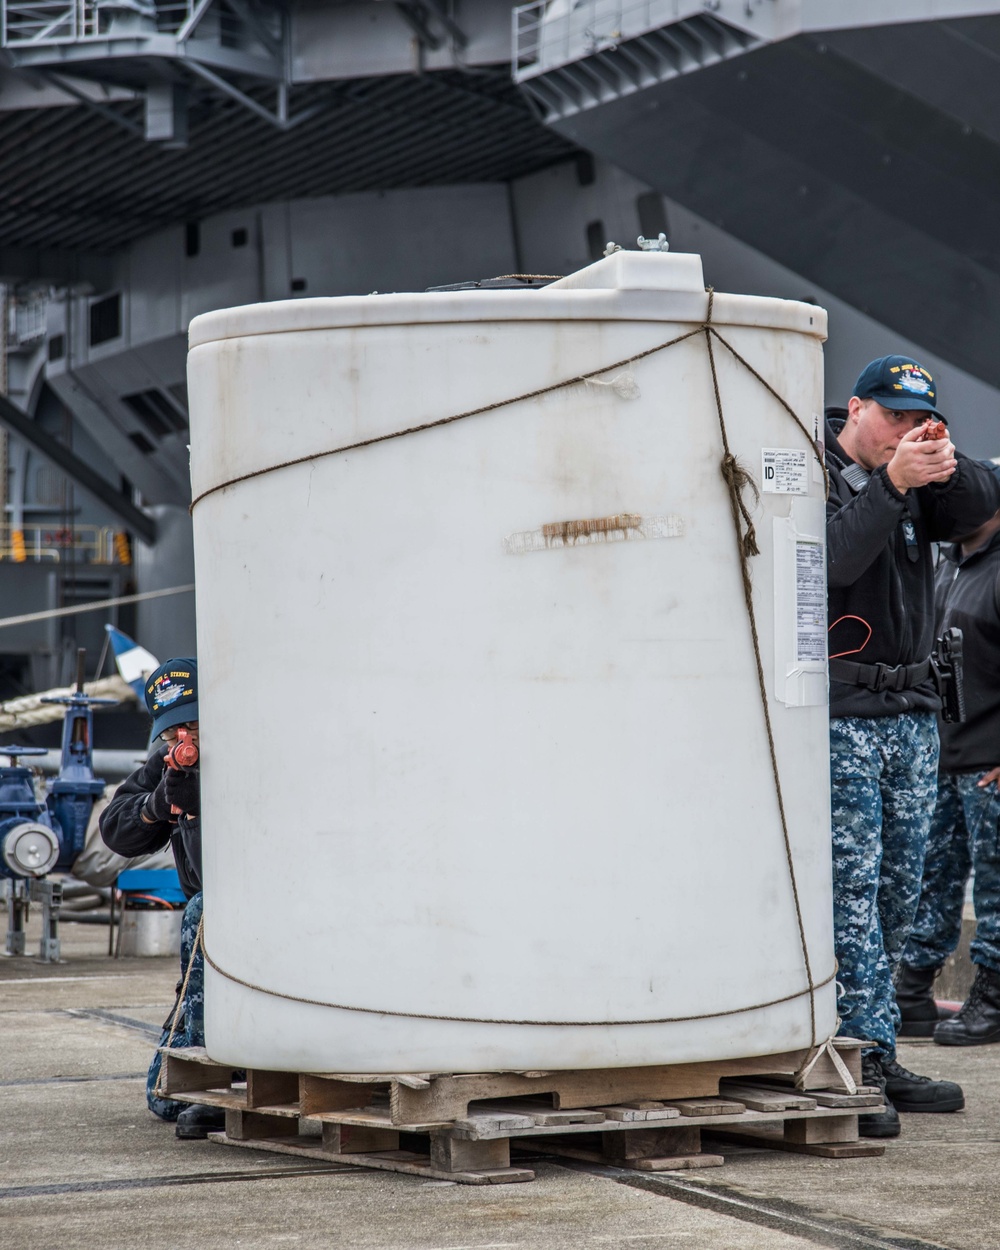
[897, 485]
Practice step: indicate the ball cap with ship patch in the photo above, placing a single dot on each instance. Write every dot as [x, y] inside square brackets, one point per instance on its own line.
[899, 383]
[172, 694]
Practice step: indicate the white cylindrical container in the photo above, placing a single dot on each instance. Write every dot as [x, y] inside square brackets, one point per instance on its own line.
[486, 777]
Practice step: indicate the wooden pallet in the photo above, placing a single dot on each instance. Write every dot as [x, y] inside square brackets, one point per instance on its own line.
[461, 1127]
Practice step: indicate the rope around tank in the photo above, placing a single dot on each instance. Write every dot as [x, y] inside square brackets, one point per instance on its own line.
[561, 1024]
[737, 480]
[817, 1049]
[706, 327]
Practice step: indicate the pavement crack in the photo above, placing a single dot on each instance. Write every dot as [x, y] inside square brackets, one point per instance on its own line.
[74, 1080]
[158, 1182]
[111, 1017]
[832, 1231]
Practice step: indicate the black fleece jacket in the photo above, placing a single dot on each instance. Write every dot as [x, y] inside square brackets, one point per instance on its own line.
[124, 830]
[968, 595]
[880, 568]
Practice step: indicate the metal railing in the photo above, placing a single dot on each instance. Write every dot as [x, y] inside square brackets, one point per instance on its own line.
[83, 544]
[548, 33]
[30, 319]
[44, 23]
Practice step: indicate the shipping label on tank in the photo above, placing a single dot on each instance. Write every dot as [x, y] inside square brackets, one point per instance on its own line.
[784, 471]
[800, 678]
[810, 603]
[619, 528]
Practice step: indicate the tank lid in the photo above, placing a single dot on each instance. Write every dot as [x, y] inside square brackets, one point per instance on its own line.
[638, 271]
[665, 287]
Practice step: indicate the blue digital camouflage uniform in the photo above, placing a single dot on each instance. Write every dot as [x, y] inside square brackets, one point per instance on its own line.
[965, 830]
[190, 1026]
[884, 781]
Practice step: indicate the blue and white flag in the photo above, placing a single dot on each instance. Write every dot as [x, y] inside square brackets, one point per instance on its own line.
[134, 663]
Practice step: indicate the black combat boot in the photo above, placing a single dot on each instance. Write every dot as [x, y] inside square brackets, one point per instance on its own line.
[909, 1092]
[978, 1019]
[884, 1123]
[198, 1120]
[915, 997]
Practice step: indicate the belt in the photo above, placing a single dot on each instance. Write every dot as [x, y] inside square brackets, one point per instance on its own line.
[879, 677]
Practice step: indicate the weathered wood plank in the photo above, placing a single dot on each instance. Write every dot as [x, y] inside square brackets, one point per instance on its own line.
[540, 1114]
[651, 1143]
[647, 1112]
[231, 1100]
[268, 1088]
[345, 1139]
[706, 1106]
[841, 1128]
[186, 1070]
[327, 1093]
[490, 1121]
[390, 1160]
[454, 1154]
[253, 1125]
[679, 1163]
[768, 1098]
[809, 1133]
[863, 1098]
[371, 1117]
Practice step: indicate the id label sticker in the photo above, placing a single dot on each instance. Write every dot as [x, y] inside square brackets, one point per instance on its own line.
[784, 471]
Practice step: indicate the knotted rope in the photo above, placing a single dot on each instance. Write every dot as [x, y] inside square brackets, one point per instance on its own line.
[737, 479]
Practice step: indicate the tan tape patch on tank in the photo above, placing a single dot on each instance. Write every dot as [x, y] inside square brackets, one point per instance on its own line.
[621, 527]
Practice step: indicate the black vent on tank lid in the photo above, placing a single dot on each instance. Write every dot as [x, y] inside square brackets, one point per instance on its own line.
[507, 282]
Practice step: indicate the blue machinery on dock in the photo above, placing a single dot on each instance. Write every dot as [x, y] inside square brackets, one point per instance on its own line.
[38, 836]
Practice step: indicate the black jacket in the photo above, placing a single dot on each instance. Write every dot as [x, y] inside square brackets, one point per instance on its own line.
[968, 595]
[880, 569]
[124, 830]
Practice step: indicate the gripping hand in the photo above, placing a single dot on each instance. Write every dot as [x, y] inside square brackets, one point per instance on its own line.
[157, 805]
[183, 789]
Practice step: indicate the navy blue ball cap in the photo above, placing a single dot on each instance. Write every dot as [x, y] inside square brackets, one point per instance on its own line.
[899, 383]
[172, 694]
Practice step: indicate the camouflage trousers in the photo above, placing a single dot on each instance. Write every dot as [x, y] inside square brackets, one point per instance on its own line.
[189, 1028]
[965, 835]
[884, 782]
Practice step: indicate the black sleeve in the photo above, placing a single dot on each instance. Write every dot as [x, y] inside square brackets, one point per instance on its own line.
[189, 861]
[859, 527]
[955, 508]
[122, 827]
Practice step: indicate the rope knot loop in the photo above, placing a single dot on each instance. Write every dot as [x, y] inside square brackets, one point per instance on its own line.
[738, 479]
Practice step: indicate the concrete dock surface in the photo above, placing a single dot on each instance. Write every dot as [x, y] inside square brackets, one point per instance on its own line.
[83, 1163]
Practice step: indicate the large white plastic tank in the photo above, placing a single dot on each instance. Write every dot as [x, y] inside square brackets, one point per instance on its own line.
[483, 789]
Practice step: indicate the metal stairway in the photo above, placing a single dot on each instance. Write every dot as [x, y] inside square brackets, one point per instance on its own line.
[864, 157]
[613, 62]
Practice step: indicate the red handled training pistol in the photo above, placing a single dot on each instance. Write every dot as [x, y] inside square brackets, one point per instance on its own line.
[183, 754]
[932, 430]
